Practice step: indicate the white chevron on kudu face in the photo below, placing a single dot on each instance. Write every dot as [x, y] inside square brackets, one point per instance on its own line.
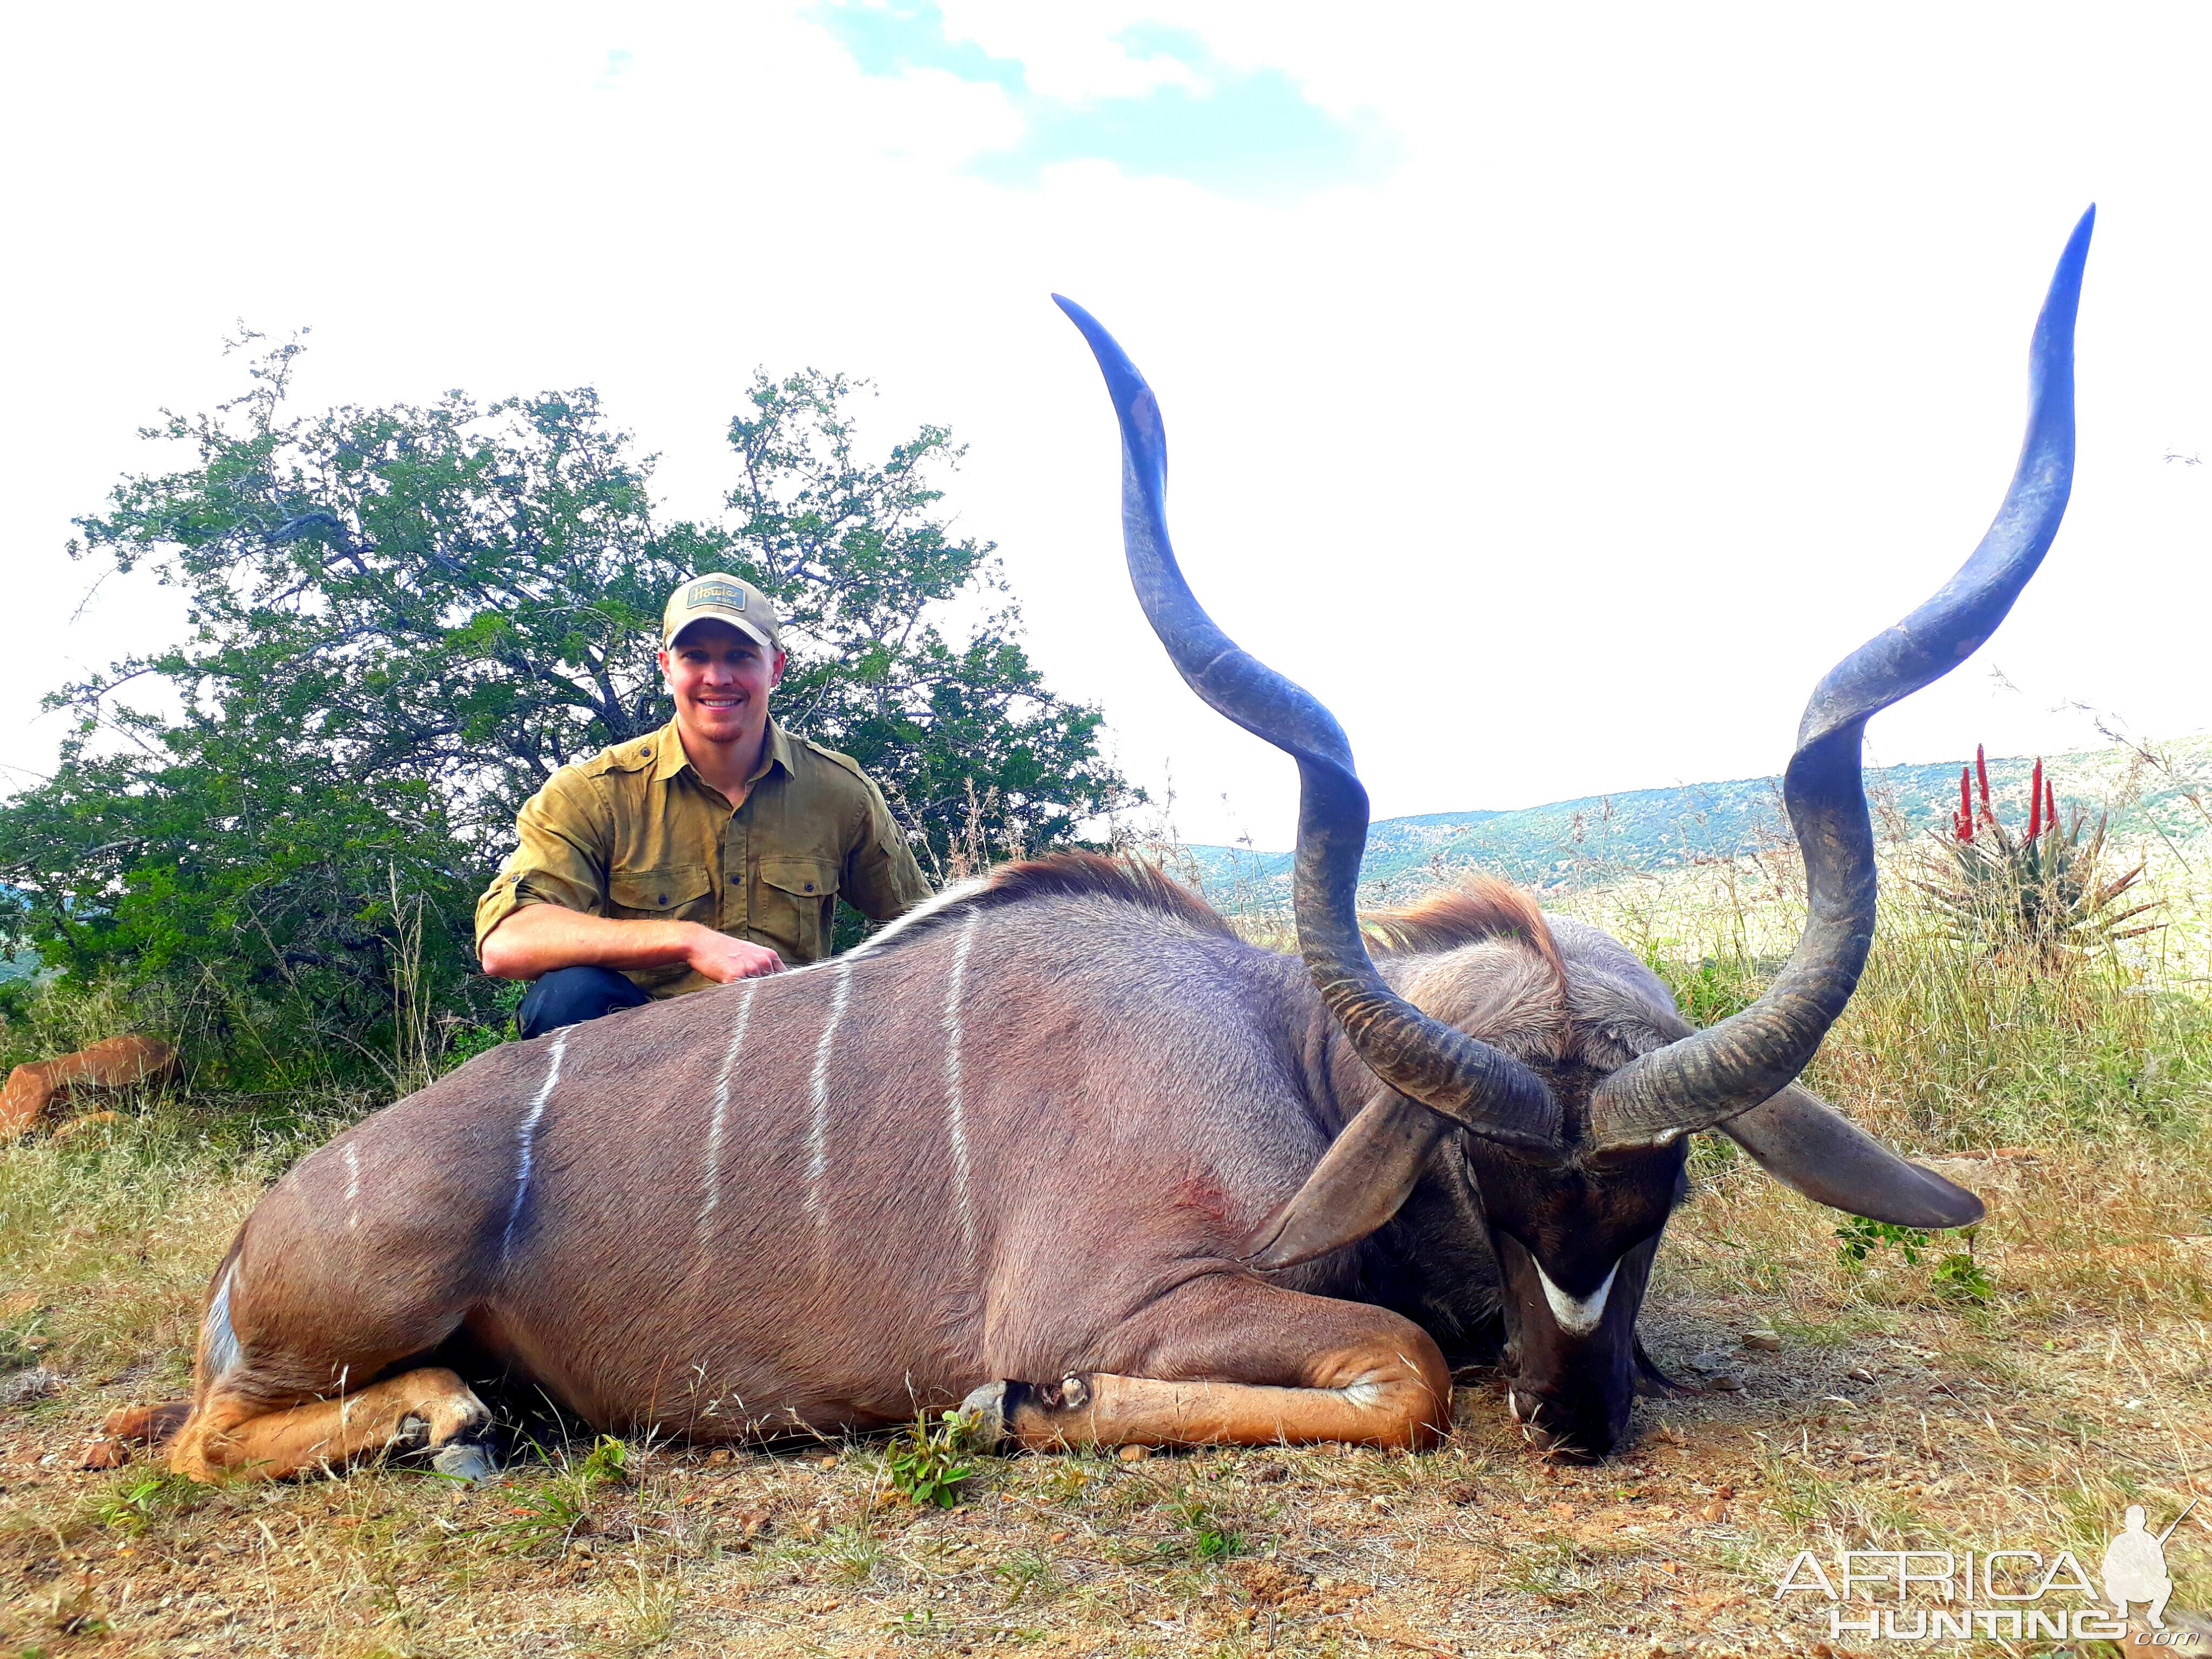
[1578, 1315]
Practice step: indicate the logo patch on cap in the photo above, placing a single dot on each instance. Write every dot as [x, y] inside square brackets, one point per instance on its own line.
[716, 592]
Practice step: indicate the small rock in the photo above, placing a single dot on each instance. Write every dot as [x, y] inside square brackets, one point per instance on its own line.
[1135, 1454]
[1726, 1385]
[25, 1386]
[720, 1455]
[1762, 1341]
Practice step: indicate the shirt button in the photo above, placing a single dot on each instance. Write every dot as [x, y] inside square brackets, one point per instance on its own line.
[810, 886]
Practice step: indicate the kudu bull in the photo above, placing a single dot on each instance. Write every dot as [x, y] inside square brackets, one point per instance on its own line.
[1061, 1145]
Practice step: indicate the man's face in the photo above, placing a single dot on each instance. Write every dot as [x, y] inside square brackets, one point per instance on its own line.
[721, 678]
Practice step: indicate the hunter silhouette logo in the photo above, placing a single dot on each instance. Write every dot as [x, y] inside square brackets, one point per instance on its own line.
[2135, 1566]
[1918, 1596]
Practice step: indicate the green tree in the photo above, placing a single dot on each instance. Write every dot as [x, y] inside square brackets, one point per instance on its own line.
[401, 620]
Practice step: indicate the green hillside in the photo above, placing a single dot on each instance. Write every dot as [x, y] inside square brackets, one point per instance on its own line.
[1648, 830]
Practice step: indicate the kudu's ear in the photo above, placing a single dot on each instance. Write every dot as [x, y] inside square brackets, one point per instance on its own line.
[1805, 1143]
[1366, 1174]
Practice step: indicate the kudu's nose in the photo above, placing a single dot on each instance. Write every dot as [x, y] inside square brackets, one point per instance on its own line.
[1571, 1423]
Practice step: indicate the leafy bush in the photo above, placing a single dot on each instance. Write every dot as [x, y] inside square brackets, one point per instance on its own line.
[924, 1462]
[1956, 1275]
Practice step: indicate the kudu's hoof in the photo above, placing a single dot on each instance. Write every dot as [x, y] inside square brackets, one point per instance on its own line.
[986, 1410]
[468, 1461]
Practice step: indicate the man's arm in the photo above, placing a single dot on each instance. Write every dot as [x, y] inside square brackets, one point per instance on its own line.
[540, 938]
[881, 879]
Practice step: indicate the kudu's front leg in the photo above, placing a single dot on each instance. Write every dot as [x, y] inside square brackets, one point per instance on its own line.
[1231, 1360]
[430, 1407]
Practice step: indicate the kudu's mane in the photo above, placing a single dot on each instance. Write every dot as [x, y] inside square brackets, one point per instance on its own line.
[1485, 907]
[1056, 875]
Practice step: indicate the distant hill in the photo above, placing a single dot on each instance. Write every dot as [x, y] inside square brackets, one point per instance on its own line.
[1648, 830]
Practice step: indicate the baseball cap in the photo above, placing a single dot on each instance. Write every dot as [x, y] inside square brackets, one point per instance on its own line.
[721, 599]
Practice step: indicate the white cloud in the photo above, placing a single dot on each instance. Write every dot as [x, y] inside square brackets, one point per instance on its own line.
[1068, 50]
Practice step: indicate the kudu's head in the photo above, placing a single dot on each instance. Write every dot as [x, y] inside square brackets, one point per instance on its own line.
[1575, 1147]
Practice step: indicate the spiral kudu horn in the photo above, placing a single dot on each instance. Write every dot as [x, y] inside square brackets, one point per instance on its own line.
[1476, 1085]
[1713, 1075]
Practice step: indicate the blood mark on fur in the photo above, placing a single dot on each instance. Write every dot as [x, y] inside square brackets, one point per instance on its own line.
[817, 1130]
[525, 1135]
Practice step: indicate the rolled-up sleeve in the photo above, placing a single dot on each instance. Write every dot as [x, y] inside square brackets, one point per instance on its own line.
[881, 879]
[559, 857]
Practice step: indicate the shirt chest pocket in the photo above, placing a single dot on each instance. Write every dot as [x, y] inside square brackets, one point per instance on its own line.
[675, 892]
[793, 902]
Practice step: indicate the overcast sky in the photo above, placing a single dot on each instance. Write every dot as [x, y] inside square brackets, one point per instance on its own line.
[1556, 390]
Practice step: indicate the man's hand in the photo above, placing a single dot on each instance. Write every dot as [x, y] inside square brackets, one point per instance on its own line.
[540, 938]
[722, 958]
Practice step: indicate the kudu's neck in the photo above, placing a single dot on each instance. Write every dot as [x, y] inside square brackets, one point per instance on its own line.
[1433, 1262]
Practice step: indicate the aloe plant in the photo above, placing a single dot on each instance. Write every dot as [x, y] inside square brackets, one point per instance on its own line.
[2045, 889]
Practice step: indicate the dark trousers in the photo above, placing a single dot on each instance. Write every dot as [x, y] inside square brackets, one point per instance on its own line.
[568, 996]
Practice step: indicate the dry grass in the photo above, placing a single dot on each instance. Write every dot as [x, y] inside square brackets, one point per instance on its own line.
[1892, 1413]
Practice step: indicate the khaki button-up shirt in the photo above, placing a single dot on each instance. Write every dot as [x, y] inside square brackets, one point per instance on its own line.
[633, 833]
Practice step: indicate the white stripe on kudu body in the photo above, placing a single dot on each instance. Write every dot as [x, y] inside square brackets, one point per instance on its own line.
[219, 1341]
[955, 1106]
[1578, 1315]
[527, 1133]
[722, 1105]
[818, 1131]
[353, 1185]
[921, 912]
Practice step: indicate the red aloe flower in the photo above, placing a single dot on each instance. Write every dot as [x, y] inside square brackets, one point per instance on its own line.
[1982, 774]
[2035, 801]
[2050, 804]
[1962, 822]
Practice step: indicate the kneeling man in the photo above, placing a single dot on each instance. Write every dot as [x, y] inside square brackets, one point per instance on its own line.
[712, 850]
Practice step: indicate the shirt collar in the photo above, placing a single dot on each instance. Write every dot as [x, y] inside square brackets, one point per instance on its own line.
[669, 757]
